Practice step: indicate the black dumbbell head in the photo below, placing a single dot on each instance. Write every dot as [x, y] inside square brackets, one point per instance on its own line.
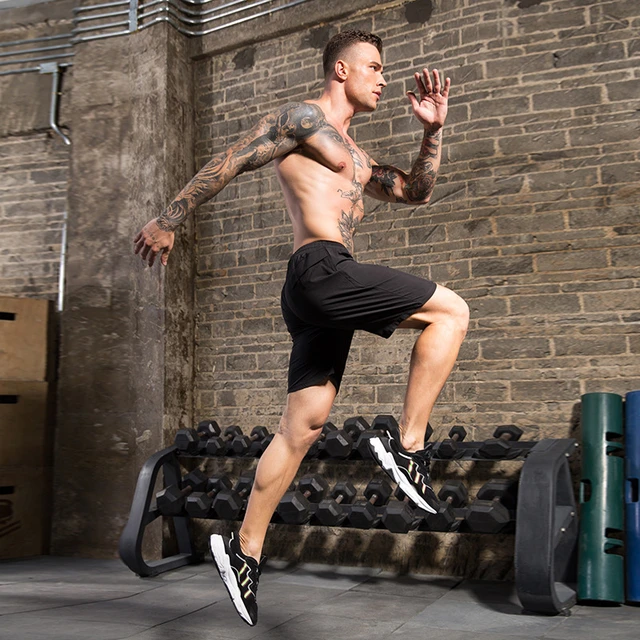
[505, 490]
[363, 515]
[218, 482]
[208, 429]
[508, 430]
[314, 485]
[486, 517]
[294, 508]
[398, 517]
[187, 440]
[227, 504]
[380, 490]
[442, 519]
[456, 491]
[231, 432]
[195, 480]
[259, 433]
[458, 431]
[337, 444]
[346, 490]
[355, 426]
[384, 422]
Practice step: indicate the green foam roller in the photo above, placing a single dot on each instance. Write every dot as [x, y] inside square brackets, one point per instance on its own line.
[601, 546]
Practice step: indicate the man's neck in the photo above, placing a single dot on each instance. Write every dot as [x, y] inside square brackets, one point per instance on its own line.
[337, 109]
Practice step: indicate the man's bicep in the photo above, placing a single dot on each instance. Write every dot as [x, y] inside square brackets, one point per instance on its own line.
[277, 134]
[386, 183]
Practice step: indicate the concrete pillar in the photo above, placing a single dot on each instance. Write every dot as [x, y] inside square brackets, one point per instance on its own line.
[126, 368]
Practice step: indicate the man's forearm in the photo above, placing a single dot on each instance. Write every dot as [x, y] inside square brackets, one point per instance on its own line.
[208, 182]
[420, 182]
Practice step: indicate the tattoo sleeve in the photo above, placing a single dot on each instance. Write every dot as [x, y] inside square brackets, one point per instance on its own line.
[275, 135]
[394, 185]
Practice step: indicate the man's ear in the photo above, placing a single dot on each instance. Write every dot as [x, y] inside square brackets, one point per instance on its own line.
[341, 70]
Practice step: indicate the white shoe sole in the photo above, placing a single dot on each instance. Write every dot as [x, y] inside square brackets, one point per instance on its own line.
[220, 557]
[388, 463]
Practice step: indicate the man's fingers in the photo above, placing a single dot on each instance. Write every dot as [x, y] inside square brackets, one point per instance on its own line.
[137, 238]
[152, 258]
[447, 85]
[412, 98]
[436, 81]
[165, 257]
[423, 87]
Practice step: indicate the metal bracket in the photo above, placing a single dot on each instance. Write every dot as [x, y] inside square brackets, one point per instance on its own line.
[54, 69]
[130, 545]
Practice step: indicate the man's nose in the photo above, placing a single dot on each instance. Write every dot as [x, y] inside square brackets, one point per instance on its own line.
[382, 82]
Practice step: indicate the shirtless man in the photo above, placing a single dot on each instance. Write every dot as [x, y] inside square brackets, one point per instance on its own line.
[327, 294]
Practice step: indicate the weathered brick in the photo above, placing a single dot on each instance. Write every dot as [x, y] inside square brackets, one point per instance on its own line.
[587, 346]
[545, 390]
[612, 300]
[571, 260]
[544, 305]
[510, 348]
[501, 266]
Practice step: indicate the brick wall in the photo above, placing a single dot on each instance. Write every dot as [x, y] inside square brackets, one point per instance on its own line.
[534, 220]
[33, 184]
[33, 161]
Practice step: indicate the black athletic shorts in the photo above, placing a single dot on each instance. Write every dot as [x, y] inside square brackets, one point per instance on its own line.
[327, 295]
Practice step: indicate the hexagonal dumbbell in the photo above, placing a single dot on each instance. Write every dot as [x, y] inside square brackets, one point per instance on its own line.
[220, 445]
[318, 446]
[330, 511]
[295, 506]
[402, 517]
[449, 446]
[228, 503]
[199, 503]
[365, 515]
[453, 494]
[340, 444]
[170, 500]
[490, 513]
[384, 421]
[502, 444]
[242, 444]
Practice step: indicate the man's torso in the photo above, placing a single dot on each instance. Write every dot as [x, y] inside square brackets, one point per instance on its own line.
[323, 181]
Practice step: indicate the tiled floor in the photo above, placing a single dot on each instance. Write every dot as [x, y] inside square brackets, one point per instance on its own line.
[52, 598]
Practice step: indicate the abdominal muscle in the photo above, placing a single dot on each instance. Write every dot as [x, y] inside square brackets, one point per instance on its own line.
[323, 204]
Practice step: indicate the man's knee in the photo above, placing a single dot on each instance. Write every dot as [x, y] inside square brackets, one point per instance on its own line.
[460, 314]
[305, 414]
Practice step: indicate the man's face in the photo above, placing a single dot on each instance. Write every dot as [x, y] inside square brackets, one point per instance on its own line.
[364, 82]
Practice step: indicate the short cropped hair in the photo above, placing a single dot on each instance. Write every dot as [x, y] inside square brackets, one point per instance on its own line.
[342, 41]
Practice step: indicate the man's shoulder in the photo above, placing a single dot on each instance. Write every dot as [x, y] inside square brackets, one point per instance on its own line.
[301, 119]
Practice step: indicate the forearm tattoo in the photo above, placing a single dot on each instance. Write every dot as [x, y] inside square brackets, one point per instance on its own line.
[422, 178]
[418, 185]
[276, 134]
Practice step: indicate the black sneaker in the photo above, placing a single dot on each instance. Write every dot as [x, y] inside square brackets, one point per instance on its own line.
[410, 470]
[240, 574]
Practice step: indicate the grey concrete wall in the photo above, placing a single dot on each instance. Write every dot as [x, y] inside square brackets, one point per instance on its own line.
[132, 147]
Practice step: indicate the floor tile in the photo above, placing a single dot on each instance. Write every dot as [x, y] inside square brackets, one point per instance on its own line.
[410, 586]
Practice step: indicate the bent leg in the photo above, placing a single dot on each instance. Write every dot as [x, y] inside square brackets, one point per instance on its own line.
[444, 319]
[300, 426]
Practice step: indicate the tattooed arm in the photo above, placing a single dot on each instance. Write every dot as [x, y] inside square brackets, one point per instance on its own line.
[275, 135]
[390, 184]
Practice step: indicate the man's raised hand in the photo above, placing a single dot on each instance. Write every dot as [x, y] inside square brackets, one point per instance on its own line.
[431, 102]
[152, 241]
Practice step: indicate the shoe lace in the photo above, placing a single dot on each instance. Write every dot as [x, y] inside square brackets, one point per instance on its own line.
[423, 458]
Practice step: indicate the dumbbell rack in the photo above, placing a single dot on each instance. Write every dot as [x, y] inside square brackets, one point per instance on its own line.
[546, 523]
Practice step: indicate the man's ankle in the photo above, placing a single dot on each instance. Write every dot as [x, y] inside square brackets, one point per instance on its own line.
[250, 550]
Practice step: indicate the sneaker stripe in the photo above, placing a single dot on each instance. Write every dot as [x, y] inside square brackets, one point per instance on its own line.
[388, 463]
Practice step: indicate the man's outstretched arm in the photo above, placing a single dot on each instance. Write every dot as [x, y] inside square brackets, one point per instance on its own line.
[275, 135]
[391, 184]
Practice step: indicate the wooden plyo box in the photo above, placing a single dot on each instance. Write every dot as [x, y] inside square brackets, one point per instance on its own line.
[24, 338]
[25, 424]
[24, 511]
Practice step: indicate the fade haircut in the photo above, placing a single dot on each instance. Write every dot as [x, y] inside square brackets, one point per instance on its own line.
[342, 41]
